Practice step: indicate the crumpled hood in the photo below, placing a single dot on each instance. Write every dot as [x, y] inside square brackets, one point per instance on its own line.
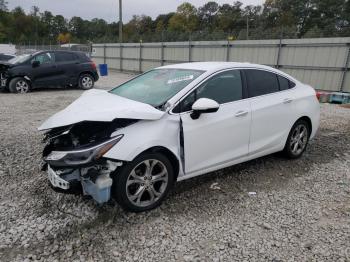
[4, 65]
[100, 105]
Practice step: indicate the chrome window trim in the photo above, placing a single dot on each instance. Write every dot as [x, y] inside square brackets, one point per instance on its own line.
[224, 70]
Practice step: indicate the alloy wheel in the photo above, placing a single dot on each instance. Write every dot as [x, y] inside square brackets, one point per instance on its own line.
[87, 82]
[147, 183]
[22, 86]
[299, 139]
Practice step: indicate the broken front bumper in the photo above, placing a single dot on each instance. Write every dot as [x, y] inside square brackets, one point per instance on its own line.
[56, 180]
[95, 180]
[3, 81]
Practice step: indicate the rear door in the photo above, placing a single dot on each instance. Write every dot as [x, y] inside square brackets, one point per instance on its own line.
[220, 137]
[67, 63]
[272, 110]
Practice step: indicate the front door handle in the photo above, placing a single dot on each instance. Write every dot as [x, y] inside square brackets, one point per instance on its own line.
[287, 100]
[241, 113]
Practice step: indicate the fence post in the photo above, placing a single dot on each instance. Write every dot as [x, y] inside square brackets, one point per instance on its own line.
[104, 53]
[121, 57]
[279, 52]
[189, 49]
[228, 50]
[162, 54]
[345, 69]
[140, 58]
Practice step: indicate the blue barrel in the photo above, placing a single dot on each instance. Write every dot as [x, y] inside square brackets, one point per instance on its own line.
[103, 69]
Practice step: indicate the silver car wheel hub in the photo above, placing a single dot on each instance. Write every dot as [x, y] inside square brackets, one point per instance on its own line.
[299, 139]
[22, 86]
[86, 82]
[147, 182]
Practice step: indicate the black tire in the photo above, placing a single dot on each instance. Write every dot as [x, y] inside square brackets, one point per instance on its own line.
[291, 150]
[123, 193]
[86, 81]
[19, 85]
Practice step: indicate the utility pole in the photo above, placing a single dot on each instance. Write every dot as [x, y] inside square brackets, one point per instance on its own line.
[120, 22]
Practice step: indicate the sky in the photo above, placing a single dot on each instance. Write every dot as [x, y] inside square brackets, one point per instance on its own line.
[108, 9]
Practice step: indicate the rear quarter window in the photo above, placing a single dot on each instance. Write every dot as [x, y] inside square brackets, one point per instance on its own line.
[285, 83]
[291, 84]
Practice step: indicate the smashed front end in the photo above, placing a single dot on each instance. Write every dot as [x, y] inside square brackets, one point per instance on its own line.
[73, 157]
[4, 75]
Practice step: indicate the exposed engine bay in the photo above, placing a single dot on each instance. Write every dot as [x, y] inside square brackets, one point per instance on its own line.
[81, 134]
[73, 156]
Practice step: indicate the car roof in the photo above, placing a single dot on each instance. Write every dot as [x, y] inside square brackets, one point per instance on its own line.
[212, 67]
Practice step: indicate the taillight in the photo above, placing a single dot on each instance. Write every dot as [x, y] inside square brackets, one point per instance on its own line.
[93, 65]
[318, 94]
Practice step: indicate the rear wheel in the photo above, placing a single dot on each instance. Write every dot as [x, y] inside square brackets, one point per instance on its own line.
[298, 139]
[86, 81]
[19, 85]
[143, 184]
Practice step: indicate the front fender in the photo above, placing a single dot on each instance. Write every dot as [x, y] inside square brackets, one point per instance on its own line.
[147, 134]
[19, 73]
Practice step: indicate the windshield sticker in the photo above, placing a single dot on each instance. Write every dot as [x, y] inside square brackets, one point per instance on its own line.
[180, 79]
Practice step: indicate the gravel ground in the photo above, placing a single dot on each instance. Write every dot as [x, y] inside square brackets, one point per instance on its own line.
[301, 210]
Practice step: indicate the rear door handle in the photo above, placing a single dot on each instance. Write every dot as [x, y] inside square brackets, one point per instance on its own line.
[241, 113]
[287, 100]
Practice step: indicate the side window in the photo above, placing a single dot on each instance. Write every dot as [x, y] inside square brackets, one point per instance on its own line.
[261, 82]
[44, 58]
[65, 57]
[284, 83]
[223, 88]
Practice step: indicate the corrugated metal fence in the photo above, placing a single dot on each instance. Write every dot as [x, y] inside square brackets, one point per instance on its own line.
[321, 62]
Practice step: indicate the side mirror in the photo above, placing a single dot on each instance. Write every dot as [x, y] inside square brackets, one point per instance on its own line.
[203, 106]
[35, 63]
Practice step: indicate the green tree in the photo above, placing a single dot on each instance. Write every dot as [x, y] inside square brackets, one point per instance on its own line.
[208, 16]
[230, 17]
[185, 19]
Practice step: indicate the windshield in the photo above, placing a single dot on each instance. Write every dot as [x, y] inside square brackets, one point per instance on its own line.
[19, 59]
[156, 86]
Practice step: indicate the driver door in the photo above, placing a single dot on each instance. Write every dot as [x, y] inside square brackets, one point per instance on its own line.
[46, 73]
[221, 137]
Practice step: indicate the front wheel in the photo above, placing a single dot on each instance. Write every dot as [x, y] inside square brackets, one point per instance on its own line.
[19, 85]
[143, 184]
[86, 81]
[297, 140]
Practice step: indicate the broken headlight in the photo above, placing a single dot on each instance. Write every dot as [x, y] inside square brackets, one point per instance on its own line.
[81, 156]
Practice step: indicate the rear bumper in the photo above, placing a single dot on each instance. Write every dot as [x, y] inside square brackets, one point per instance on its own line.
[95, 75]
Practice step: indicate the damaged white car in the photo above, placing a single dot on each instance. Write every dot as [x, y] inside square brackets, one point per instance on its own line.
[172, 123]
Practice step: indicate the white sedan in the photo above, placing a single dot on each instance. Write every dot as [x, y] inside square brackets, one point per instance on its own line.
[173, 123]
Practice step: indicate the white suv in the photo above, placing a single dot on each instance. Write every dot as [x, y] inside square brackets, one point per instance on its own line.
[176, 122]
